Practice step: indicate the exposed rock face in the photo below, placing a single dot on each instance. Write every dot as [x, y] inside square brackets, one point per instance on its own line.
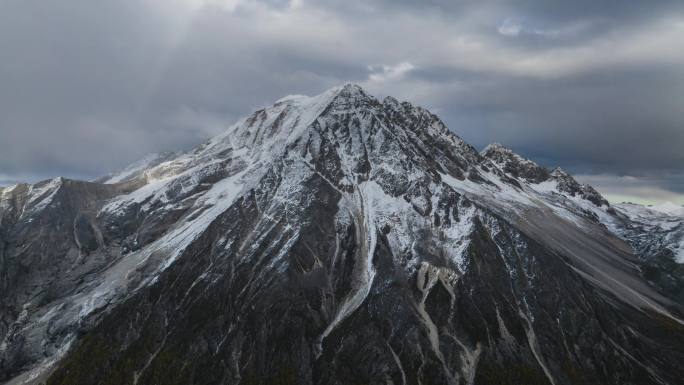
[515, 165]
[658, 241]
[518, 167]
[567, 184]
[328, 240]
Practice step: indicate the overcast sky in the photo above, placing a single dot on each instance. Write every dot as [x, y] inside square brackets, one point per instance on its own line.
[596, 87]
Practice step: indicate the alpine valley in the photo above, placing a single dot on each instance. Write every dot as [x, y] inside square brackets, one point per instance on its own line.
[337, 239]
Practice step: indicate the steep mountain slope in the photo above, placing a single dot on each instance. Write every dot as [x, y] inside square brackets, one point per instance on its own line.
[335, 239]
[658, 241]
[656, 237]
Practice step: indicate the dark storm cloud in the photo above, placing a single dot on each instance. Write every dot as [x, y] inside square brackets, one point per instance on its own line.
[87, 87]
[543, 10]
[608, 120]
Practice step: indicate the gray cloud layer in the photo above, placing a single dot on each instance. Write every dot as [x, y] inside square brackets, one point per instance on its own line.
[596, 87]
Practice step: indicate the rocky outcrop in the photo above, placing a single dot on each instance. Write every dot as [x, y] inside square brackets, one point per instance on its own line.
[567, 184]
[514, 164]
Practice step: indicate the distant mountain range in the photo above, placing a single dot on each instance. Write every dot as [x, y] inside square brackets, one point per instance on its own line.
[669, 208]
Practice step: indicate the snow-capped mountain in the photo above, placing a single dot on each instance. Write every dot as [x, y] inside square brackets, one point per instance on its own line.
[336, 239]
[669, 208]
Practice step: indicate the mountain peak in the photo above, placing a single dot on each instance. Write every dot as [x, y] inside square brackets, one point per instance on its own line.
[567, 184]
[299, 235]
[495, 147]
[559, 173]
[515, 164]
[351, 88]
